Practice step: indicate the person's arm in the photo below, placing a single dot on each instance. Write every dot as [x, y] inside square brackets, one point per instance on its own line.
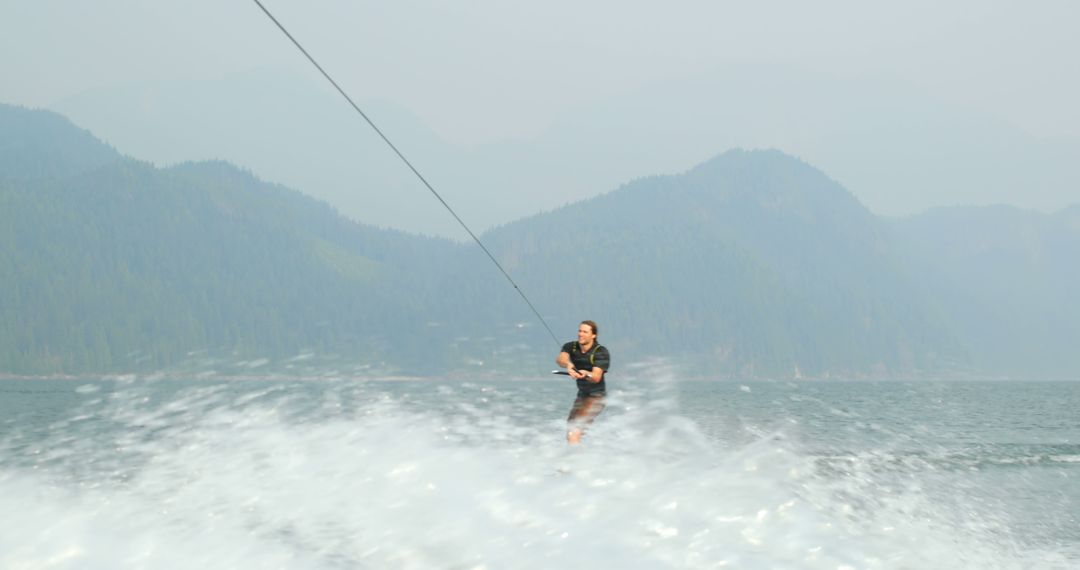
[597, 375]
[563, 360]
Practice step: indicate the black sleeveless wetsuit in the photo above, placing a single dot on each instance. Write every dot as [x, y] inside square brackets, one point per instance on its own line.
[596, 357]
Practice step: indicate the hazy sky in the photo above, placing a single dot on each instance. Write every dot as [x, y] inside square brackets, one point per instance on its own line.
[484, 70]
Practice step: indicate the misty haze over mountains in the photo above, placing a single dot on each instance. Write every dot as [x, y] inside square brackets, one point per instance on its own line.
[899, 151]
[750, 264]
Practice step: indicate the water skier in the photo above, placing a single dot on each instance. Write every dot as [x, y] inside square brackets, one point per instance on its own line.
[586, 362]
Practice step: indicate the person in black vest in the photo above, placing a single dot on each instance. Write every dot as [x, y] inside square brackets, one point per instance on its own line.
[586, 362]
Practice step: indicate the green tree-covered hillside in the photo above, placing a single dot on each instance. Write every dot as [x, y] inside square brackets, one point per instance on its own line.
[753, 264]
[111, 265]
[1009, 279]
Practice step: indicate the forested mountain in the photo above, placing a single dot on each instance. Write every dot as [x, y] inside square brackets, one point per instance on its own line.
[753, 264]
[38, 144]
[1009, 279]
[893, 145]
[111, 265]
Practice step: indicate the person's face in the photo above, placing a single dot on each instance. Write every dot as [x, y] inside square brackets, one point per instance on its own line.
[585, 335]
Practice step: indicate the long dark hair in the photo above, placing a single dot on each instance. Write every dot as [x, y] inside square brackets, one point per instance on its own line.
[592, 325]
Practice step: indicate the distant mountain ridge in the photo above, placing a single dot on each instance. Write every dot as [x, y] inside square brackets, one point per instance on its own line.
[1009, 280]
[758, 259]
[113, 265]
[894, 147]
[38, 143]
[751, 265]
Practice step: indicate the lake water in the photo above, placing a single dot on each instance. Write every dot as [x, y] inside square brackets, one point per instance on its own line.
[451, 474]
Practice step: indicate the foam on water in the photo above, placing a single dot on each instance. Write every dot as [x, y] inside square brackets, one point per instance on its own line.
[361, 476]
